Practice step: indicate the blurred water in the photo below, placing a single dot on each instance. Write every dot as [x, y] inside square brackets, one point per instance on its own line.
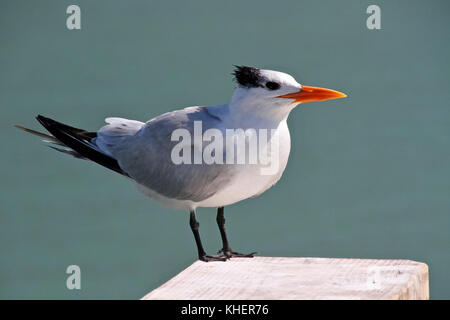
[368, 175]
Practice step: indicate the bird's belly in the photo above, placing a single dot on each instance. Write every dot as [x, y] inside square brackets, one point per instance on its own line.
[246, 185]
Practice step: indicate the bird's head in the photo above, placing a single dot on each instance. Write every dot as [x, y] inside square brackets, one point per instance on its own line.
[273, 94]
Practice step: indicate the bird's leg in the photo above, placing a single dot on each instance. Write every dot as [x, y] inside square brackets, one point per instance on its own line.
[201, 252]
[226, 250]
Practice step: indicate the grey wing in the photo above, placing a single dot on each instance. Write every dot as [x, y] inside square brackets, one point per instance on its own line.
[146, 157]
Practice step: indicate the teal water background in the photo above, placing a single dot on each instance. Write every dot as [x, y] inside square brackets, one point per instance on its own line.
[368, 177]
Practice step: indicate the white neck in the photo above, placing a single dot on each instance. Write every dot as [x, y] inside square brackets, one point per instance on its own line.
[247, 111]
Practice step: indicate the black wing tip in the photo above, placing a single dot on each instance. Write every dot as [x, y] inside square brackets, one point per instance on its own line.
[44, 120]
[39, 118]
[77, 139]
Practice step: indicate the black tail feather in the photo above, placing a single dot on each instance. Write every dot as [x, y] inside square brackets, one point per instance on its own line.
[79, 140]
[47, 137]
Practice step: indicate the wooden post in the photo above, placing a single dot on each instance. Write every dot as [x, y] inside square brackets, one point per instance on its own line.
[298, 278]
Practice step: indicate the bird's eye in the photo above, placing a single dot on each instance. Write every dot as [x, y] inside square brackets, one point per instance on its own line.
[272, 85]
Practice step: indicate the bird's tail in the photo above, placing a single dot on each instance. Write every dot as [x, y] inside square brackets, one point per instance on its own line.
[75, 142]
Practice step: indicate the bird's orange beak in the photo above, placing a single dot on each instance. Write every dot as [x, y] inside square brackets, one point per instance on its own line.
[307, 94]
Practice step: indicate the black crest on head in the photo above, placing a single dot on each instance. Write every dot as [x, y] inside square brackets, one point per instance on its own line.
[247, 76]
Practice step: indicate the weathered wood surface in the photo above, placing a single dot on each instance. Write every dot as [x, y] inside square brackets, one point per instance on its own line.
[298, 278]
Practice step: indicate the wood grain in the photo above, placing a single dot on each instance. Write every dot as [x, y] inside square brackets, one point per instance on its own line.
[298, 278]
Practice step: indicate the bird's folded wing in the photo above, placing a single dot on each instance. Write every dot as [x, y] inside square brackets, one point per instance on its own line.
[146, 157]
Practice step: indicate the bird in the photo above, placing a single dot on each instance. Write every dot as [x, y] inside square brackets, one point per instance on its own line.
[149, 153]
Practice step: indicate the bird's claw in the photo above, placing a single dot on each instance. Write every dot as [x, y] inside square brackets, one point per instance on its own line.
[208, 258]
[232, 254]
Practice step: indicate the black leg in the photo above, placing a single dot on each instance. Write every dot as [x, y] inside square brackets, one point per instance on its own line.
[221, 223]
[201, 252]
[226, 250]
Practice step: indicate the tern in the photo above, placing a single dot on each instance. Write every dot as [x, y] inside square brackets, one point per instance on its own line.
[144, 152]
